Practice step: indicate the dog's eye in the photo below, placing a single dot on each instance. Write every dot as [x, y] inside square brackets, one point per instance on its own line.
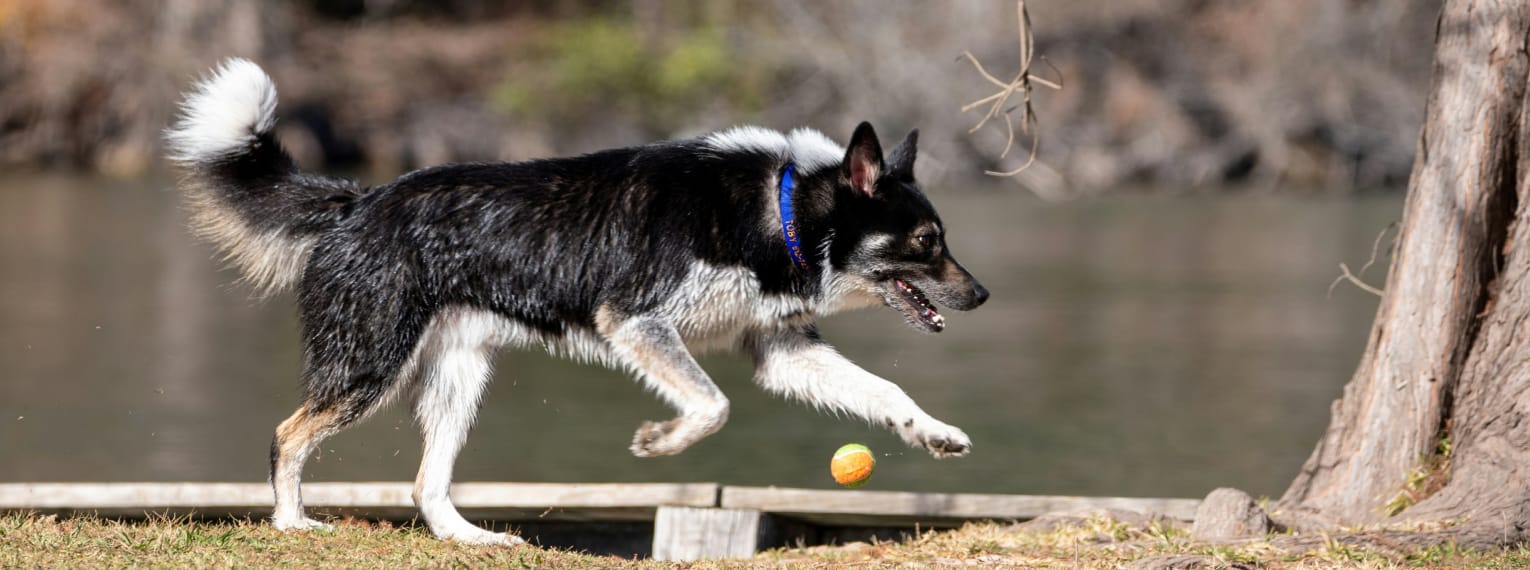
[924, 241]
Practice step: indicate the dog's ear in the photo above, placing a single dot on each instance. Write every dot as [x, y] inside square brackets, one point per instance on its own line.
[900, 162]
[863, 160]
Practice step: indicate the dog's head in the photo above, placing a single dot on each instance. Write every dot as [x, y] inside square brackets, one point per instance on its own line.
[888, 239]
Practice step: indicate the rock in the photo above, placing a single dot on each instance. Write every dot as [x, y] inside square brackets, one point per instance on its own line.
[1053, 521]
[1228, 514]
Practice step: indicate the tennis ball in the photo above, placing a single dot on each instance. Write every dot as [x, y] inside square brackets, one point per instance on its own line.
[852, 465]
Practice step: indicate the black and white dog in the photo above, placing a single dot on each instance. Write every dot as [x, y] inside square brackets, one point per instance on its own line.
[632, 257]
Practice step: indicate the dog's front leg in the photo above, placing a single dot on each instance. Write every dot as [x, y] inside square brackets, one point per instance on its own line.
[653, 348]
[796, 363]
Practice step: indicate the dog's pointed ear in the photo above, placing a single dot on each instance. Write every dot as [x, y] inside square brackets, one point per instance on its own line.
[900, 162]
[863, 160]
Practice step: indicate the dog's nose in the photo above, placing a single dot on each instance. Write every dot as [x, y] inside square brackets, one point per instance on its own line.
[979, 293]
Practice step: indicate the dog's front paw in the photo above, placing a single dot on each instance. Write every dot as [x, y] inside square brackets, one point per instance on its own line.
[668, 438]
[940, 439]
[654, 439]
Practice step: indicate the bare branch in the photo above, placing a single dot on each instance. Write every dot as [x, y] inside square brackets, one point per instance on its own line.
[1009, 127]
[1021, 84]
[1009, 85]
[1376, 247]
[1347, 276]
[1035, 140]
[1354, 279]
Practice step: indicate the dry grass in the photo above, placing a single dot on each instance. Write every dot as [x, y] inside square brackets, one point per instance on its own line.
[33, 541]
[30, 541]
[1104, 543]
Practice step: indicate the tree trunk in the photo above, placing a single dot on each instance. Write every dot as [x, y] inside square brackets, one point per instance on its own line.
[1433, 424]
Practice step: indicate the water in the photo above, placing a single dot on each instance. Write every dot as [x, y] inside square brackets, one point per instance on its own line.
[1135, 346]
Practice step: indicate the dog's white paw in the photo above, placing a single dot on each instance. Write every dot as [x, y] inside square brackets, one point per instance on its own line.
[654, 439]
[940, 439]
[481, 537]
[299, 524]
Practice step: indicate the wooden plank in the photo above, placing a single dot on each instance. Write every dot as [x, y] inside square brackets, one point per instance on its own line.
[497, 501]
[567, 502]
[892, 508]
[690, 533]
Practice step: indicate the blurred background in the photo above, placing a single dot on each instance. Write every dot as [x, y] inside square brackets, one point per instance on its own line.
[1160, 325]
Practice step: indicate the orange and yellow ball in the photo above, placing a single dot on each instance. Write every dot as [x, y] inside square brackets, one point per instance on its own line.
[852, 465]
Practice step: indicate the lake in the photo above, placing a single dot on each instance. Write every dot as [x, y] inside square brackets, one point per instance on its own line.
[1141, 345]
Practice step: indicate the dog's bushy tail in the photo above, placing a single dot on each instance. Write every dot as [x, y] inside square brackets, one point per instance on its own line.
[245, 193]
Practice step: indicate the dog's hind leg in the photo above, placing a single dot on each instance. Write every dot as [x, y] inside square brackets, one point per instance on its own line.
[455, 360]
[357, 360]
[295, 440]
[656, 351]
[796, 363]
[319, 417]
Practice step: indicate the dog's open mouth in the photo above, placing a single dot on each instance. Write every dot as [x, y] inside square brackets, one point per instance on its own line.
[916, 308]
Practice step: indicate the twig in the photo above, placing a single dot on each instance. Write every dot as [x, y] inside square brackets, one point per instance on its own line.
[1354, 279]
[1035, 141]
[1376, 246]
[1021, 84]
[1009, 126]
[1347, 276]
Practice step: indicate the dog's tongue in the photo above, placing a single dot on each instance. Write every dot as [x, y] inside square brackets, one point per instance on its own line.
[923, 308]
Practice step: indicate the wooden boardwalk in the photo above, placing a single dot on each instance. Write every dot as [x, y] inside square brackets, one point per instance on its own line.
[668, 521]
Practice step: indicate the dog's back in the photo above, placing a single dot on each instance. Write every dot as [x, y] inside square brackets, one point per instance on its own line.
[546, 243]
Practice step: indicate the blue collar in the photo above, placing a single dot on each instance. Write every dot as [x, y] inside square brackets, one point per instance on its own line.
[789, 227]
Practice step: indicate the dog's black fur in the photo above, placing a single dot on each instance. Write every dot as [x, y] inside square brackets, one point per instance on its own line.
[624, 256]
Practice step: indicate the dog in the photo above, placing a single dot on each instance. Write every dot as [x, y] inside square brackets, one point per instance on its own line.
[633, 258]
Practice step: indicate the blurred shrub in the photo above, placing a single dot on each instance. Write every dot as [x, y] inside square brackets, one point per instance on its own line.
[582, 67]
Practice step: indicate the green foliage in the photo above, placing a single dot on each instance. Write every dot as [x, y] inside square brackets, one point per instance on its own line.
[1166, 533]
[1438, 553]
[581, 68]
[1431, 474]
[1337, 550]
[696, 62]
[985, 547]
[1228, 554]
[1110, 527]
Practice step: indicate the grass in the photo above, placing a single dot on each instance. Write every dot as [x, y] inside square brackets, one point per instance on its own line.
[1104, 543]
[31, 541]
[35, 541]
[1431, 475]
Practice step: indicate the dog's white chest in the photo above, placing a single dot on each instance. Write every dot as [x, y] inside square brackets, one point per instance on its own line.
[714, 305]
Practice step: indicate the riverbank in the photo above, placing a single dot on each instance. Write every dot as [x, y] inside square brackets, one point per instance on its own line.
[1307, 94]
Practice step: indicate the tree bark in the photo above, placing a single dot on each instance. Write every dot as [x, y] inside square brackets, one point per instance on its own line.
[1449, 354]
